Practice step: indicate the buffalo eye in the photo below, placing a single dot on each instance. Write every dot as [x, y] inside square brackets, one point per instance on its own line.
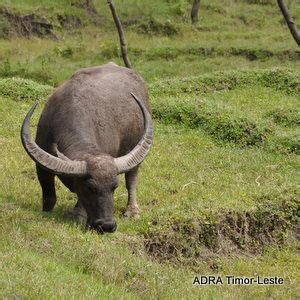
[114, 186]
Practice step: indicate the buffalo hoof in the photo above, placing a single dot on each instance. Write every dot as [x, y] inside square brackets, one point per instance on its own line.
[77, 214]
[132, 212]
[49, 203]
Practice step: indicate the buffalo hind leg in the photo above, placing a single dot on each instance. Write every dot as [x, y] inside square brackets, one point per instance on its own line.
[46, 180]
[132, 209]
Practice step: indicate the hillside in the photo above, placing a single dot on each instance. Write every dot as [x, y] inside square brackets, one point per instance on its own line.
[218, 192]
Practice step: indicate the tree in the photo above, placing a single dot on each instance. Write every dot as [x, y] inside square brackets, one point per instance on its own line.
[195, 11]
[290, 21]
[121, 34]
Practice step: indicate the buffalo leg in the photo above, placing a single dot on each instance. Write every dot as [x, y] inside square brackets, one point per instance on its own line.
[78, 213]
[46, 180]
[132, 209]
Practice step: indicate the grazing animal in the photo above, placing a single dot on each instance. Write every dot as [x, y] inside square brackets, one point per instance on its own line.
[93, 128]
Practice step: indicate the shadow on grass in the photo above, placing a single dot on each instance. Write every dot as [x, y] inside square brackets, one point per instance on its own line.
[59, 214]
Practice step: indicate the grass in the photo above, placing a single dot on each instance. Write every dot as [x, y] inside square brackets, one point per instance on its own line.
[116, 265]
[20, 89]
[218, 192]
[245, 116]
[259, 40]
[114, 273]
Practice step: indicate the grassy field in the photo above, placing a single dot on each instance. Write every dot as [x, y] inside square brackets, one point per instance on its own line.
[219, 191]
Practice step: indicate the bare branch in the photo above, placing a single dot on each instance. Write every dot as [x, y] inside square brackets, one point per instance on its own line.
[121, 34]
[195, 11]
[290, 21]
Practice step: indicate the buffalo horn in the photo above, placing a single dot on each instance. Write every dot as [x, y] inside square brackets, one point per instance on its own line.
[139, 152]
[51, 163]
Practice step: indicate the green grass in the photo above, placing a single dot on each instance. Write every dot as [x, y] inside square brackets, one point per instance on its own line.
[40, 60]
[247, 116]
[36, 265]
[199, 178]
[259, 40]
[20, 89]
[218, 192]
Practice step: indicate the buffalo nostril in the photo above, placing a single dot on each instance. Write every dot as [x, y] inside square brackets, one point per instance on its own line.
[105, 226]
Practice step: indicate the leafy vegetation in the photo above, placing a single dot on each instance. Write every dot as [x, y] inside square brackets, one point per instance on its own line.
[218, 192]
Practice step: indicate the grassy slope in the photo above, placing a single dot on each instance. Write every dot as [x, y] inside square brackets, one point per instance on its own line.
[153, 55]
[44, 254]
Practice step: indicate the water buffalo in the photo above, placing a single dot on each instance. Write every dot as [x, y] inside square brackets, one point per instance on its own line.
[93, 128]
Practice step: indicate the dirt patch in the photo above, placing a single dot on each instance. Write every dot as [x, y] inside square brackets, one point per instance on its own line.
[228, 233]
[13, 24]
[87, 5]
[155, 27]
[131, 21]
[90, 8]
[69, 21]
[260, 2]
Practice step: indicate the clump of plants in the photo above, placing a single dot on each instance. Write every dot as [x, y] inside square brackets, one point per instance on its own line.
[262, 2]
[156, 27]
[284, 144]
[283, 80]
[285, 117]
[20, 89]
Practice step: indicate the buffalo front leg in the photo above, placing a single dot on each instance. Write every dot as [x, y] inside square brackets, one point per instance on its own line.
[46, 180]
[132, 209]
[78, 213]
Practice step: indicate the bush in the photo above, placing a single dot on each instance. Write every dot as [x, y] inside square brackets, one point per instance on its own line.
[286, 143]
